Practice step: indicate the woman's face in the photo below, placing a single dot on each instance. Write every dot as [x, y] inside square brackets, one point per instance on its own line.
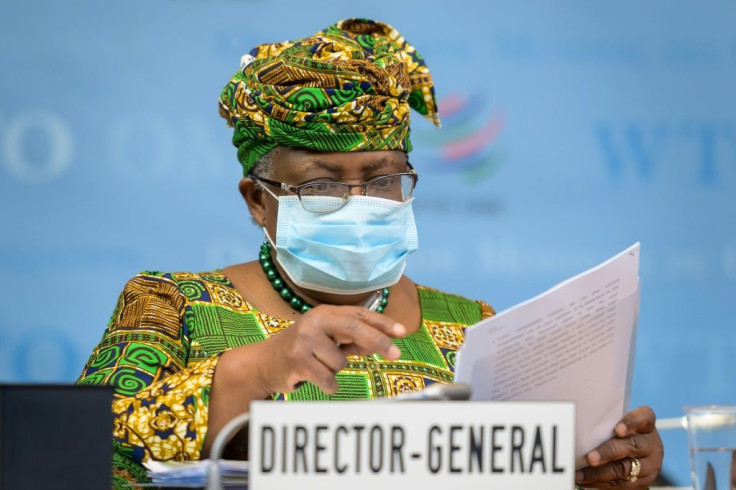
[295, 166]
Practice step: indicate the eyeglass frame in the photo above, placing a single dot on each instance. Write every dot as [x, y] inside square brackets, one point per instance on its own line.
[296, 189]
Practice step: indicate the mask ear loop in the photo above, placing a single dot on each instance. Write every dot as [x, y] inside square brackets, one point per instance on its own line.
[273, 194]
[265, 232]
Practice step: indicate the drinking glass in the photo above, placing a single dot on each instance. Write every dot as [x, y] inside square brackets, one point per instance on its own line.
[711, 437]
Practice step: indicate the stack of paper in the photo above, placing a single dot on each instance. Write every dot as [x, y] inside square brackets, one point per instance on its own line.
[574, 342]
[193, 474]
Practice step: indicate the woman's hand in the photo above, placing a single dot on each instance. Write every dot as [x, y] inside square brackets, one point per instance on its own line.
[315, 347]
[635, 436]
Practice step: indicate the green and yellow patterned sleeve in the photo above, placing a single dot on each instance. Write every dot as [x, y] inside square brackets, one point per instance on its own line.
[160, 404]
[486, 310]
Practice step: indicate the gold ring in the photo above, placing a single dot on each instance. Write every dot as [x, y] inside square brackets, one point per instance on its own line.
[635, 470]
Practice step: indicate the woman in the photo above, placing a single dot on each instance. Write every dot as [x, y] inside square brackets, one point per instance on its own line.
[322, 131]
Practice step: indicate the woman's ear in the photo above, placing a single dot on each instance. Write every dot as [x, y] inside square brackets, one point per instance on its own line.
[254, 197]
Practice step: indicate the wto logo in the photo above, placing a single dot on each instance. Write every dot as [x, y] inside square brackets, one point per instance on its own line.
[467, 144]
[702, 152]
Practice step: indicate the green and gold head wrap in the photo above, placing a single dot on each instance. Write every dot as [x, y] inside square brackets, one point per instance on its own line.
[346, 88]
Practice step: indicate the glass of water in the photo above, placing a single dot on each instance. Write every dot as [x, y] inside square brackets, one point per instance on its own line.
[711, 437]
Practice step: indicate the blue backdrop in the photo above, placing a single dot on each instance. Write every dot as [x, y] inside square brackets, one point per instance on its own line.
[571, 130]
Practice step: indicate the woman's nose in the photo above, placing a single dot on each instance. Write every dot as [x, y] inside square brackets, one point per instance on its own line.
[357, 191]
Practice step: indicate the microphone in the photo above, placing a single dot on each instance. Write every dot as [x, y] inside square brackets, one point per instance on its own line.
[439, 392]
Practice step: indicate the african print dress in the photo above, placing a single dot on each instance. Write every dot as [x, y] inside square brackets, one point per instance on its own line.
[162, 344]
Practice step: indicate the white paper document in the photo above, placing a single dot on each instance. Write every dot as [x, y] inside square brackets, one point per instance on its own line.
[574, 342]
[193, 474]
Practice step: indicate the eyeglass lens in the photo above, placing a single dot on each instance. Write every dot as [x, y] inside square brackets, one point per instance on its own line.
[394, 187]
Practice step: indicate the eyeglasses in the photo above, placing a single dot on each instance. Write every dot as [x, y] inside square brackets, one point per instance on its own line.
[327, 196]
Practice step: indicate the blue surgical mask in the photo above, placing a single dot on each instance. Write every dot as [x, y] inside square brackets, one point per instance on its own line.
[361, 247]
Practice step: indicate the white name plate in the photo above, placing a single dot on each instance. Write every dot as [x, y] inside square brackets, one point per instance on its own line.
[400, 445]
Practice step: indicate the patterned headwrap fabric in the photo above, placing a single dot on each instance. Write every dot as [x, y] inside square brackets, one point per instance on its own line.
[346, 88]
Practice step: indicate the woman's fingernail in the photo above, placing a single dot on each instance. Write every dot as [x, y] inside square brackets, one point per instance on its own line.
[594, 457]
[620, 429]
[399, 329]
[394, 352]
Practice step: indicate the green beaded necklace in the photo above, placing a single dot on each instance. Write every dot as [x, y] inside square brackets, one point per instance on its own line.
[295, 301]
